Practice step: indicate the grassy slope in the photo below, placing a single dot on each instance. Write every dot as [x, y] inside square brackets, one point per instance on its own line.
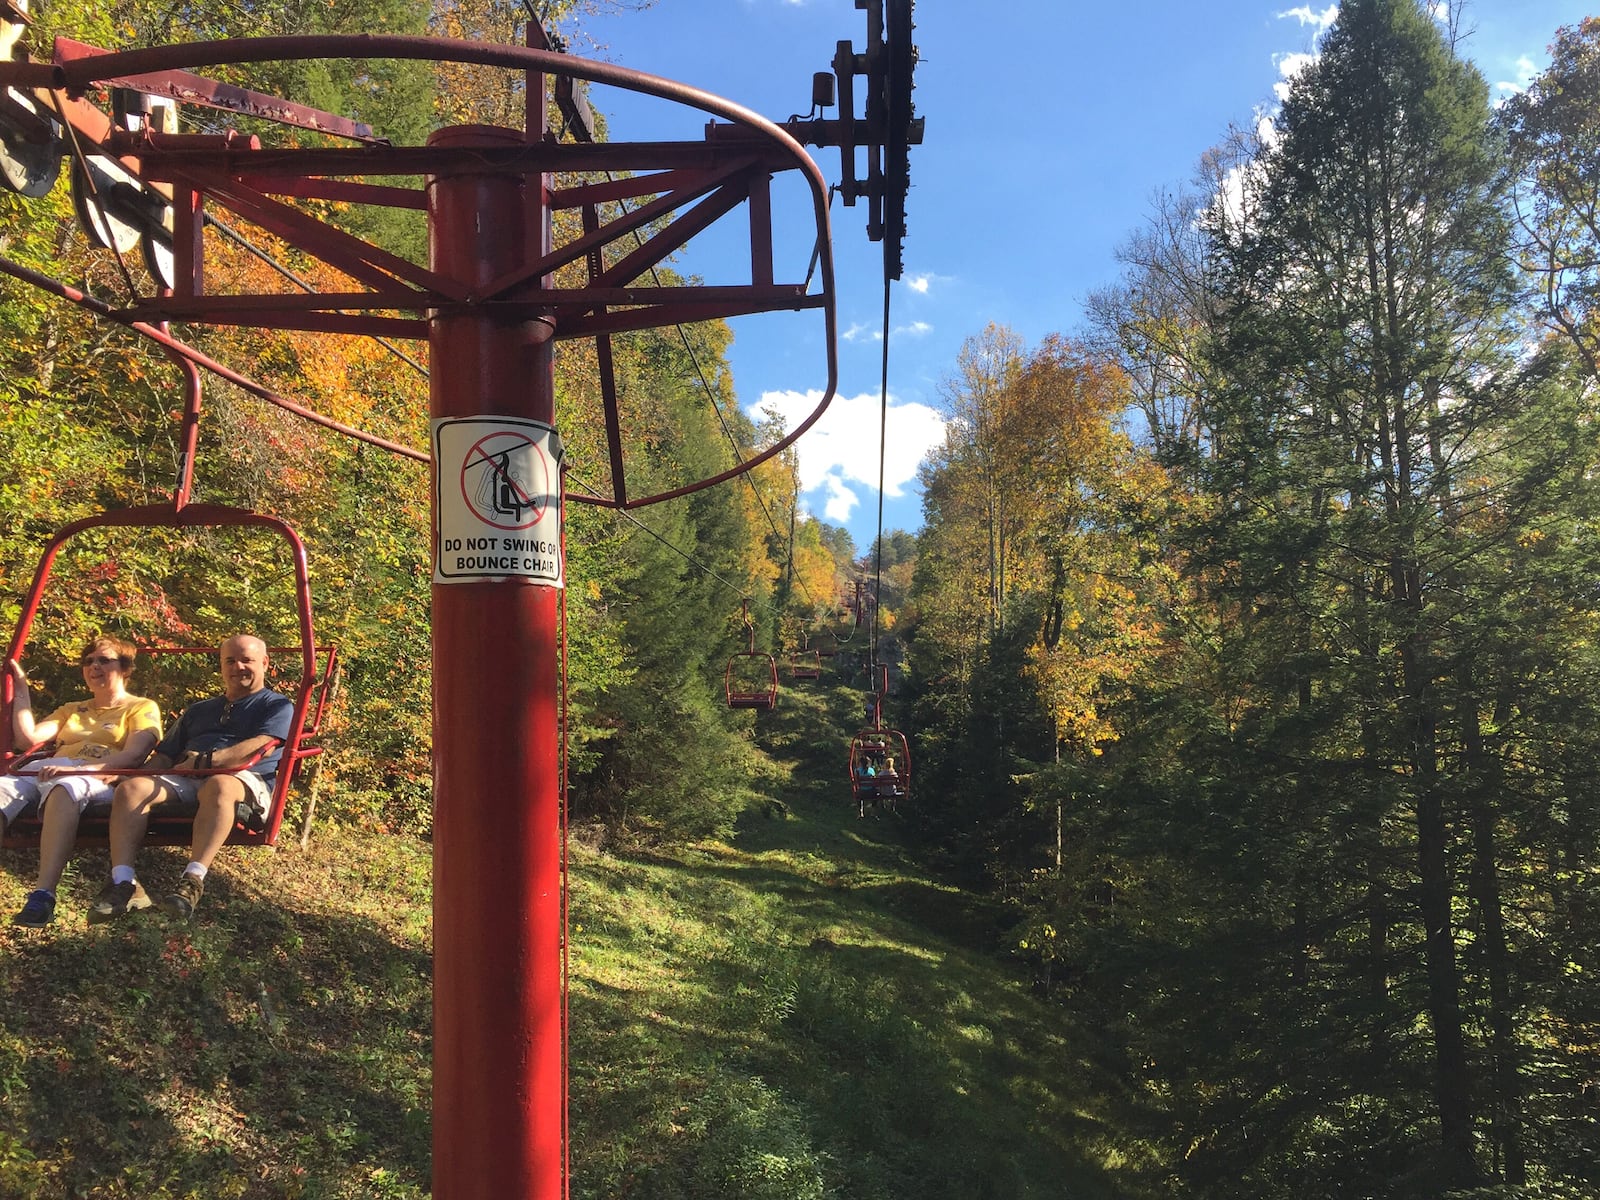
[796, 1012]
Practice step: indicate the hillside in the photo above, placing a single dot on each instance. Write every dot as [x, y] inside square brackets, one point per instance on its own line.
[796, 1011]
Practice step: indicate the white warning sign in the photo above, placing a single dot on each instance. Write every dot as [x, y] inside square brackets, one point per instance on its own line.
[497, 481]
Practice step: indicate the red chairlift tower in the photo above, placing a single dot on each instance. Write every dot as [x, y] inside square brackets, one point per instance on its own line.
[492, 306]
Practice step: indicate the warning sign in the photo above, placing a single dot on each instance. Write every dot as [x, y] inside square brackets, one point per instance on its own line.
[498, 514]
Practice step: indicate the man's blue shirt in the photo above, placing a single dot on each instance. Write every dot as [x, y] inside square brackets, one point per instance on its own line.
[218, 722]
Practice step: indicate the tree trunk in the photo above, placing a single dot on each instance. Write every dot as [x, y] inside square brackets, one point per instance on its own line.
[1451, 1077]
[1506, 1106]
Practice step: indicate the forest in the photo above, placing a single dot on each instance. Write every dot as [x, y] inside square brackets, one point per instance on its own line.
[1273, 708]
[1247, 650]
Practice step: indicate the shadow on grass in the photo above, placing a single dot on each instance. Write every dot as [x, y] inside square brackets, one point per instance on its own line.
[799, 1014]
[274, 1048]
[804, 1012]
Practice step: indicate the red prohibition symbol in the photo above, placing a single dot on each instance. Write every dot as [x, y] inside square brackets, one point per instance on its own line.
[505, 480]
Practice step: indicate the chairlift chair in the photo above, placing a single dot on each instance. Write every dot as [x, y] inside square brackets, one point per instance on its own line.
[751, 677]
[870, 783]
[806, 664]
[310, 693]
[752, 681]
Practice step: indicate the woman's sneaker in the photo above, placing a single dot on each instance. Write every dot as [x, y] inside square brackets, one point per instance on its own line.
[37, 911]
[115, 899]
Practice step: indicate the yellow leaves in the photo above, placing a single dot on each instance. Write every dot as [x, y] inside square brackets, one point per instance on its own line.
[1040, 939]
[814, 572]
[1105, 637]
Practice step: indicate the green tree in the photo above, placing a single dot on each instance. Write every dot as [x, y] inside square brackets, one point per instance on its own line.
[1553, 130]
[1369, 352]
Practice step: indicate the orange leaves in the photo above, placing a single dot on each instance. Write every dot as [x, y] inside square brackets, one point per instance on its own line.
[354, 380]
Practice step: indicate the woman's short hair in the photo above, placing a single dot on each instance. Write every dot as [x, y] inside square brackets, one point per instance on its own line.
[125, 651]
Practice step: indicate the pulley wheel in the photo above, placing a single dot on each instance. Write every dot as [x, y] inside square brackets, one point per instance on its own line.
[30, 161]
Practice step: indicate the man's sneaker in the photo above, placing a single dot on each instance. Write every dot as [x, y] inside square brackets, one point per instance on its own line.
[115, 899]
[183, 898]
[38, 911]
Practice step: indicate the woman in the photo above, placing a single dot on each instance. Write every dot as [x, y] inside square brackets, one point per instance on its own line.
[112, 729]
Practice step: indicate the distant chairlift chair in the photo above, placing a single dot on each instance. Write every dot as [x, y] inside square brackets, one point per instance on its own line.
[751, 678]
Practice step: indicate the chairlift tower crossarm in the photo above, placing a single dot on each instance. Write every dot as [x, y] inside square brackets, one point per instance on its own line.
[393, 297]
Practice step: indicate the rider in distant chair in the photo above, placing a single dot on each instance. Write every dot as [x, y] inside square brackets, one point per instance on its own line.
[891, 777]
[866, 778]
[220, 732]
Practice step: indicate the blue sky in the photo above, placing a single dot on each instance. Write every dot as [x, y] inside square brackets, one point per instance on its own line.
[1050, 127]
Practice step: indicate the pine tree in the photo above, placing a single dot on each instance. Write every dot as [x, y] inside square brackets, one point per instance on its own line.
[1369, 351]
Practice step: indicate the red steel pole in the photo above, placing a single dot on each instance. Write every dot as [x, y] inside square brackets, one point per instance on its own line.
[497, 1054]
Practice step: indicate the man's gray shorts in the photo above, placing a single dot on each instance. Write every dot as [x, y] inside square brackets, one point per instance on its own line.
[186, 791]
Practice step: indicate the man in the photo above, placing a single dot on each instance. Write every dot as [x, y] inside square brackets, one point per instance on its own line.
[224, 731]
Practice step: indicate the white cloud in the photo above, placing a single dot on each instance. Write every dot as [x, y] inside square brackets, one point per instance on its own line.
[1290, 66]
[860, 330]
[1318, 20]
[1267, 130]
[839, 454]
[1526, 69]
[926, 282]
[841, 500]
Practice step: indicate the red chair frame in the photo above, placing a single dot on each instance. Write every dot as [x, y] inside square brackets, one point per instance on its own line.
[806, 664]
[873, 745]
[741, 683]
[310, 696]
[742, 691]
